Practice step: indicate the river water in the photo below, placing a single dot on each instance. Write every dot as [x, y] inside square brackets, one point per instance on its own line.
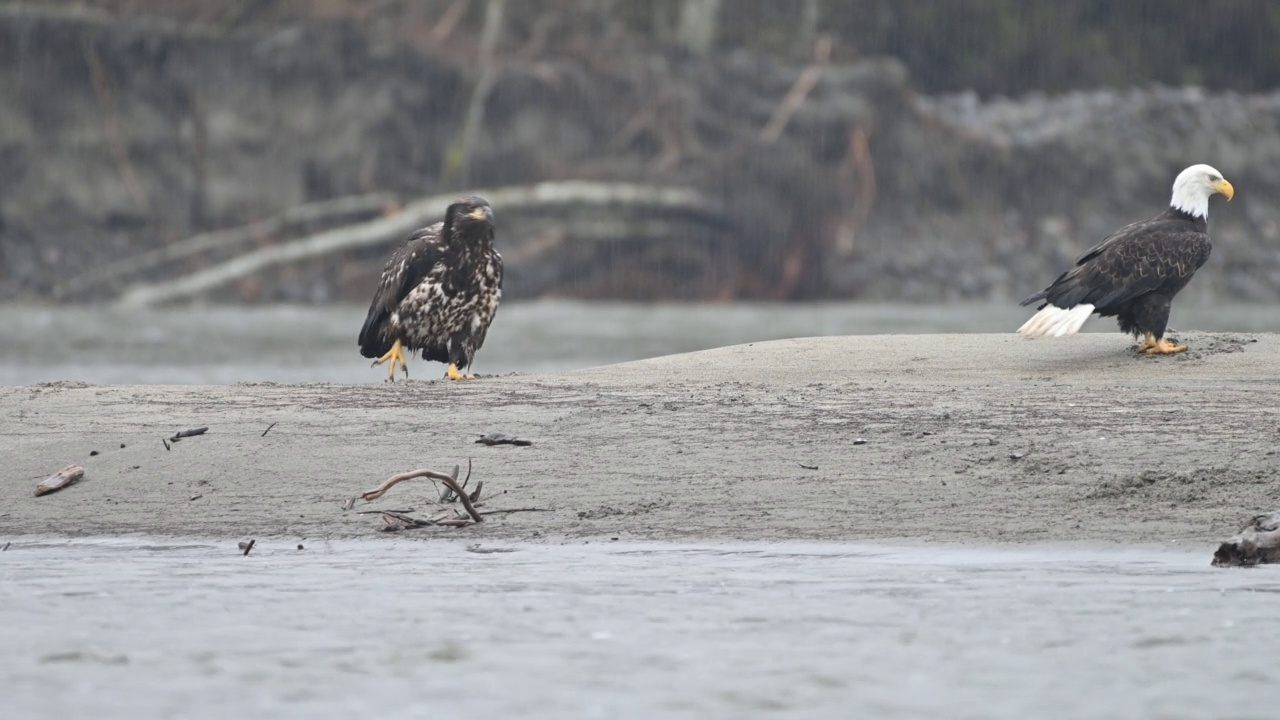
[404, 628]
[289, 344]
[148, 628]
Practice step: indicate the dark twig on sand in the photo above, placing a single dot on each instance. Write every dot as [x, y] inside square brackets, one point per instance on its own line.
[264, 432]
[498, 438]
[6, 547]
[166, 444]
[64, 477]
[246, 546]
[188, 433]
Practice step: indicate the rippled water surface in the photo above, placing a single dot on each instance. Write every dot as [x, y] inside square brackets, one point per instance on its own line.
[318, 344]
[406, 628]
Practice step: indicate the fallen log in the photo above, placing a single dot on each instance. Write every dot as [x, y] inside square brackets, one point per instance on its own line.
[577, 193]
[64, 477]
[1258, 542]
[324, 211]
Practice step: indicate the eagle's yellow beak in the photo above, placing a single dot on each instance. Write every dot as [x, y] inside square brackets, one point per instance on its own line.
[1225, 188]
[478, 213]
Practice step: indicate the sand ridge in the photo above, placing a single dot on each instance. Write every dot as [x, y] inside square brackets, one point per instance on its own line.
[928, 438]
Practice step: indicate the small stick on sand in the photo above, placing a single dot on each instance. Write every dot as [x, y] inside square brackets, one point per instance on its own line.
[459, 522]
[6, 547]
[475, 494]
[513, 510]
[501, 438]
[60, 479]
[166, 444]
[189, 433]
[264, 432]
[246, 546]
[401, 521]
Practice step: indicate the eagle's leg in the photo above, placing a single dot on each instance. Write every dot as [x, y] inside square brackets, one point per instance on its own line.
[1164, 347]
[394, 355]
[1148, 342]
[453, 374]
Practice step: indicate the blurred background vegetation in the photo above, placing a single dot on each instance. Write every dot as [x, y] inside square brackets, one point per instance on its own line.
[1004, 47]
[822, 149]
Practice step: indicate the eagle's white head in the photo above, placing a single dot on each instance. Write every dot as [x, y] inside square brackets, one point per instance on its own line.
[1193, 186]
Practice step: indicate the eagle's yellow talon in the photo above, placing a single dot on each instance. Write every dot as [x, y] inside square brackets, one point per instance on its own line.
[1164, 347]
[394, 355]
[453, 374]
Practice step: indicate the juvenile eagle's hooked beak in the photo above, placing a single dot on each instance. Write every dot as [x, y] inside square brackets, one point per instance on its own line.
[1225, 188]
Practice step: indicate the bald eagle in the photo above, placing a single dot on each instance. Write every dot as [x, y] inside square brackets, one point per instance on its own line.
[1134, 273]
[438, 293]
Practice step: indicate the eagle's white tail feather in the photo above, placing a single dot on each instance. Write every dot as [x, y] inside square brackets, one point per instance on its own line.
[1054, 321]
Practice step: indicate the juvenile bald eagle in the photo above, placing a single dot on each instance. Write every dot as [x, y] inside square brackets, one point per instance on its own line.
[438, 293]
[1134, 273]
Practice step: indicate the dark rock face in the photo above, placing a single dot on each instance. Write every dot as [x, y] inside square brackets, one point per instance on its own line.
[118, 137]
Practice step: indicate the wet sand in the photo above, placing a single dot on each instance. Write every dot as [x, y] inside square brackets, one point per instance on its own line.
[915, 438]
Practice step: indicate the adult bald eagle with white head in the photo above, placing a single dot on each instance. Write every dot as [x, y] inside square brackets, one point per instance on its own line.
[1134, 273]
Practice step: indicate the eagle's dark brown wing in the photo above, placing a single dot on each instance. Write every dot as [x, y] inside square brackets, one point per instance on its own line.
[1160, 254]
[408, 266]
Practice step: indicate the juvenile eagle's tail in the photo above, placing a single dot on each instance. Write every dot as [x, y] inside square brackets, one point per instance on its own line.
[1053, 321]
[372, 341]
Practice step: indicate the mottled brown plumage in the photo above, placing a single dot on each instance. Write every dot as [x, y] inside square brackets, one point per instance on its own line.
[438, 293]
[1135, 272]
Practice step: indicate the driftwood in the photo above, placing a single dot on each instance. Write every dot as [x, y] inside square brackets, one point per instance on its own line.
[383, 230]
[448, 481]
[64, 477]
[447, 495]
[447, 517]
[1257, 543]
[499, 438]
[327, 210]
[245, 546]
[188, 433]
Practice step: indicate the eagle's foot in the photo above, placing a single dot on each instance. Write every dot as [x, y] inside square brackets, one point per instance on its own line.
[1148, 342]
[452, 373]
[394, 355]
[1164, 347]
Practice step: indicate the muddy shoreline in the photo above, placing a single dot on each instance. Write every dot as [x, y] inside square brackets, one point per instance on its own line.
[928, 438]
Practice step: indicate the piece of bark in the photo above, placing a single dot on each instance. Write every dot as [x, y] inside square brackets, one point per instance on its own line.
[64, 477]
[188, 433]
[1258, 542]
[498, 438]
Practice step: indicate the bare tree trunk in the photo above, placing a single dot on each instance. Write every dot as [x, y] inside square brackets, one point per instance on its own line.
[415, 215]
[806, 28]
[458, 159]
[699, 25]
